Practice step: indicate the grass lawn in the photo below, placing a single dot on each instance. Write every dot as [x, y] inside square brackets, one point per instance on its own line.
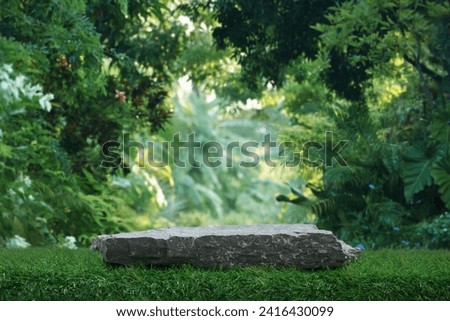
[61, 274]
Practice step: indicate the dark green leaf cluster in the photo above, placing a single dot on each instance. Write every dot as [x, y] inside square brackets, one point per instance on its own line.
[267, 35]
[96, 59]
[336, 61]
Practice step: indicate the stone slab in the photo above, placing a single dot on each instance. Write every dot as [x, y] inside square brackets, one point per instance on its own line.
[281, 245]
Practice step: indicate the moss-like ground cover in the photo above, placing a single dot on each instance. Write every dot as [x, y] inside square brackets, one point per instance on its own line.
[61, 274]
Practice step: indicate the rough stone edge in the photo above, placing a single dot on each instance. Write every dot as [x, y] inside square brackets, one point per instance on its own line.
[351, 253]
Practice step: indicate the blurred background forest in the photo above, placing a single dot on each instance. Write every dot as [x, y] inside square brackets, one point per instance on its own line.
[75, 74]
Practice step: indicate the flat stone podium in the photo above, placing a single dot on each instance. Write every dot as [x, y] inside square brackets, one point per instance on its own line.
[283, 245]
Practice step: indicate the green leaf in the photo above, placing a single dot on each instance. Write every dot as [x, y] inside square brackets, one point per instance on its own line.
[5, 150]
[301, 200]
[295, 191]
[157, 9]
[416, 173]
[282, 198]
[441, 174]
[440, 129]
[94, 183]
[445, 85]
[123, 6]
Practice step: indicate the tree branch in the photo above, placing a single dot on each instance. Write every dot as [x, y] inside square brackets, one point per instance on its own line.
[423, 68]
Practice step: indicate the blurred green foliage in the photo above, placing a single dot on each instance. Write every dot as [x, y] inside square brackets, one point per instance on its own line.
[223, 189]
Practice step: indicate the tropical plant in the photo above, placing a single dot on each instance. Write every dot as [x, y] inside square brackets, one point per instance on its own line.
[94, 59]
[376, 74]
[212, 190]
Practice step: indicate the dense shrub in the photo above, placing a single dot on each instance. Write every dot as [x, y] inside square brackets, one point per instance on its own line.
[51, 181]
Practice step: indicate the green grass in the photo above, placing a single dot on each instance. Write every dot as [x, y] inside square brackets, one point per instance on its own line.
[59, 274]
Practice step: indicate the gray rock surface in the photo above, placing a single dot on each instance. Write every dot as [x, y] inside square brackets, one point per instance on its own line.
[283, 245]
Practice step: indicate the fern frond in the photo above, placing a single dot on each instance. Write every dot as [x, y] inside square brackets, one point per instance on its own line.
[326, 207]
